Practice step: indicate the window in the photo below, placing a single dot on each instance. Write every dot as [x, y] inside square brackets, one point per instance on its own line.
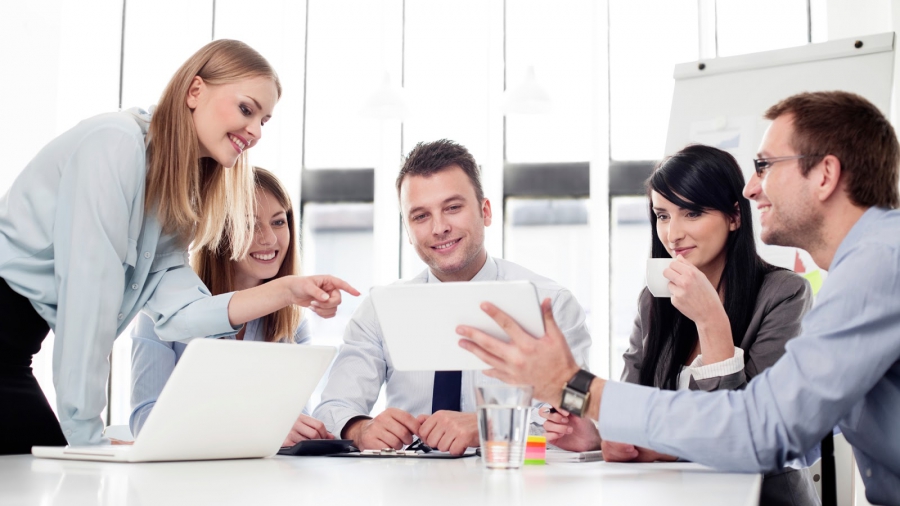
[552, 148]
[532, 225]
[334, 236]
[646, 39]
[352, 45]
[447, 74]
[276, 31]
[554, 38]
[149, 59]
[630, 248]
[750, 27]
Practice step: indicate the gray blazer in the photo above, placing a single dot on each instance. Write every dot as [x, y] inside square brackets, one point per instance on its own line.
[783, 299]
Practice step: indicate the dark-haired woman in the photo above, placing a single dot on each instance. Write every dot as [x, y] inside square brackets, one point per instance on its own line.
[730, 314]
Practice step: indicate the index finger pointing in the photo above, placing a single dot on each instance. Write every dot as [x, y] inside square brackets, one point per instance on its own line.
[343, 285]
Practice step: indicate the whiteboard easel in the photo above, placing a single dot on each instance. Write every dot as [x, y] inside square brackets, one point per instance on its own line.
[721, 102]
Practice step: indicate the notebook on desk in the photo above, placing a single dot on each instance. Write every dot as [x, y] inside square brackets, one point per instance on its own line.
[225, 400]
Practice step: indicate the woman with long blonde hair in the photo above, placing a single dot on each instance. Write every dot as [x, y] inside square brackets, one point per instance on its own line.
[272, 255]
[96, 228]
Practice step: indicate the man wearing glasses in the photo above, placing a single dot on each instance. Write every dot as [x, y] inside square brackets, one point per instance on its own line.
[444, 212]
[826, 181]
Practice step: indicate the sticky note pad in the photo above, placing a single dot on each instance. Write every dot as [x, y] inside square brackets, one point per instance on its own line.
[536, 450]
[815, 280]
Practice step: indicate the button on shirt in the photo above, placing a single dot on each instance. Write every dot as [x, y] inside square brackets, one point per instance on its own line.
[71, 229]
[843, 369]
[153, 360]
[364, 364]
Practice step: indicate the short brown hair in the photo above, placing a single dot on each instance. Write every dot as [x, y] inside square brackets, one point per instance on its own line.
[428, 158]
[852, 129]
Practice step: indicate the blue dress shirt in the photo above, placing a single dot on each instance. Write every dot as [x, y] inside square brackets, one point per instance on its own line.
[363, 364]
[153, 360]
[843, 369]
[74, 240]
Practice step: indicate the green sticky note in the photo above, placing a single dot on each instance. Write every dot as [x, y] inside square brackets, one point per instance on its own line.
[815, 280]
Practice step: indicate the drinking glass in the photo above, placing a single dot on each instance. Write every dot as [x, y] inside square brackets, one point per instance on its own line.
[504, 414]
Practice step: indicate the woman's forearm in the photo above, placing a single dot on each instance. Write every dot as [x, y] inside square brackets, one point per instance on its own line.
[256, 302]
[716, 341]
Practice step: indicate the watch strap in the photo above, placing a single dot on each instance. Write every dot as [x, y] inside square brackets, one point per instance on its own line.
[581, 382]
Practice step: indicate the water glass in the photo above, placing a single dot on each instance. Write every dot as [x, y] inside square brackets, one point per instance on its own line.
[504, 415]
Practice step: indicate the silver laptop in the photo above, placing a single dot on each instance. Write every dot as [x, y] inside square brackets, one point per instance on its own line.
[419, 321]
[225, 399]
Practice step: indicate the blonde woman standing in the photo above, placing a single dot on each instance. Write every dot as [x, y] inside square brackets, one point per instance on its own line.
[96, 229]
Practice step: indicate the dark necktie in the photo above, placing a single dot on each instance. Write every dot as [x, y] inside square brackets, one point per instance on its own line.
[447, 385]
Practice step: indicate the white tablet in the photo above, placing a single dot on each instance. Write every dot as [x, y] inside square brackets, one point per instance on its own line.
[419, 321]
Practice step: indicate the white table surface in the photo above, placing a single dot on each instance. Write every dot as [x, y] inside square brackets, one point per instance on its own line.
[27, 480]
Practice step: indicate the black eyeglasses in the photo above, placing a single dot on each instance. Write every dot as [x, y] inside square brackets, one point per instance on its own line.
[763, 164]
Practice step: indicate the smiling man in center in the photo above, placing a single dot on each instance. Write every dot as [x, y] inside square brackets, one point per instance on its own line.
[444, 212]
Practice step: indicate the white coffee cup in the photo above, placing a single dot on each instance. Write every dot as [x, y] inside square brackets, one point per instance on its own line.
[656, 282]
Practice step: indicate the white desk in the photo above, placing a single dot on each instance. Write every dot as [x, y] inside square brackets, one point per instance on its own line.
[25, 480]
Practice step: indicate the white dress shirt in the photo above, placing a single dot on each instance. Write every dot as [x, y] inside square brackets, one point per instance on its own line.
[364, 364]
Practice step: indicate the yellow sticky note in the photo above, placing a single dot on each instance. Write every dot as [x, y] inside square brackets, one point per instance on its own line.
[815, 280]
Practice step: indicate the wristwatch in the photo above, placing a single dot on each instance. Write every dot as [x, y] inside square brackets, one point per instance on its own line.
[577, 393]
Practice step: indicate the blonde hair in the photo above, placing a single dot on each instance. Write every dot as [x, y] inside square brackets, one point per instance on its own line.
[196, 199]
[216, 268]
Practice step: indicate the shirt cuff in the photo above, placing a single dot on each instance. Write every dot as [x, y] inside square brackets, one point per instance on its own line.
[83, 432]
[623, 412]
[204, 317]
[342, 422]
[735, 364]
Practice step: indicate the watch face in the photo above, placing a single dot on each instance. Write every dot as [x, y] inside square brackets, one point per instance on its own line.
[572, 400]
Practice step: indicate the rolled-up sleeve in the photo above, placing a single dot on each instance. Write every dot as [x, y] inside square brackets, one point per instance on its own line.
[182, 308]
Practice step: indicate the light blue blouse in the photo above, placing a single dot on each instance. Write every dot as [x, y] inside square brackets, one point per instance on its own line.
[153, 360]
[74, 240]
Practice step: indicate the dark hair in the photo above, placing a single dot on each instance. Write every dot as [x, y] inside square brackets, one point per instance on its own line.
[428, 158]
[852, 129]
[701, 178]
